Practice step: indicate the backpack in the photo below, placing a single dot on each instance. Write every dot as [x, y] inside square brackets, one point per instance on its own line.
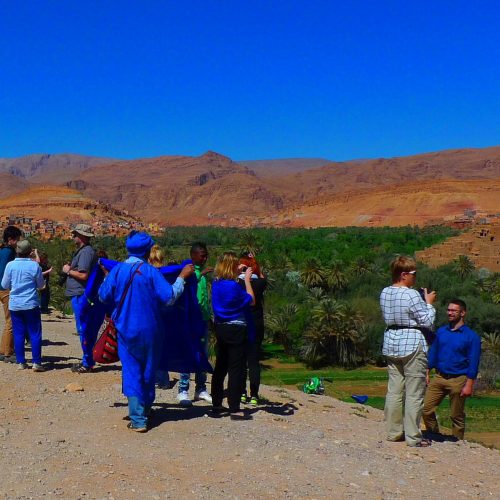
[314, 386]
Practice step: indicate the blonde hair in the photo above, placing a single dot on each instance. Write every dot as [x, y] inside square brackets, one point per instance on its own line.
[156, 256]
[401, 264]
[227, 266]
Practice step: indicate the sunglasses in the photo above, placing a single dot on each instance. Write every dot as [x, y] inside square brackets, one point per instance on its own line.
[412, 272]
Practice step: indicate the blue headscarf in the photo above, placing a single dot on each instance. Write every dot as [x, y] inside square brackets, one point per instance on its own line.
[138, 243]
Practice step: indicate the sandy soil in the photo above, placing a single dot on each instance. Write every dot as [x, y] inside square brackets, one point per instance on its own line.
[57, 443]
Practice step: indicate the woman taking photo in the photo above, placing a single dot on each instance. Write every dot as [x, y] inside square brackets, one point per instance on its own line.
[231, 305]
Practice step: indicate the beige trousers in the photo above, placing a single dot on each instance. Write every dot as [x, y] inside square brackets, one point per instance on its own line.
[406, 383]
[7, 341]
[438, 389]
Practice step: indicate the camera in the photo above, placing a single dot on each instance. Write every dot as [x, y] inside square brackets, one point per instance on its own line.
[62, 279]
[421, 291]
[244, 268]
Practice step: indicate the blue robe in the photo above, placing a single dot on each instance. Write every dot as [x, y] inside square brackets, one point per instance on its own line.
[139, 323]
[176, 343]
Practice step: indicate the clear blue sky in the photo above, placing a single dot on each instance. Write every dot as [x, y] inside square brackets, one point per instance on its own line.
[249, 79]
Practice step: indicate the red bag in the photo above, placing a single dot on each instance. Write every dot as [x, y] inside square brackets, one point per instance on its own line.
[106, 348]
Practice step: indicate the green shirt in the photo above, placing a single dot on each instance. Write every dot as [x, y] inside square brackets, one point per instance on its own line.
[202, 293]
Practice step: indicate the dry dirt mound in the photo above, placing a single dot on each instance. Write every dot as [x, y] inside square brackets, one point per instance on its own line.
[76, 445]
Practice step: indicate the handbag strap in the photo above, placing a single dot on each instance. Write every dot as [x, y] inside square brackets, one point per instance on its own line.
[127, 286]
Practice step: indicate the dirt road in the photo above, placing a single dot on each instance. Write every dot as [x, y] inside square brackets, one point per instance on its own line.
[57, 443]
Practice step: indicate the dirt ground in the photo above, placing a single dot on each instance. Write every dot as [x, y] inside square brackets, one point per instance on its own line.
[58, 443]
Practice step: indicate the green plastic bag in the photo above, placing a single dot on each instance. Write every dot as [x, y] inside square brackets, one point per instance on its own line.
[314, 386]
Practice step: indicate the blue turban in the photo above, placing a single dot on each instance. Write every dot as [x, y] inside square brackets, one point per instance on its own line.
[138, 244]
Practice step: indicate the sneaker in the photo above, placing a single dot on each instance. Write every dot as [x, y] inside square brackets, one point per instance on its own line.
[79, 368]
[244, 398]
[183, 398]
[10, 359]
[202, 395]
[254, 401]
[38, 368]
[22, 366]
[132, 427]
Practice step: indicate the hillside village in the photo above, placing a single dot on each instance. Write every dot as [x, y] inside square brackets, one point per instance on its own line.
[480, 242]
[47, 229]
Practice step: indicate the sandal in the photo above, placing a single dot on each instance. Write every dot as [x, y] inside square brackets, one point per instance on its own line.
[79, 368]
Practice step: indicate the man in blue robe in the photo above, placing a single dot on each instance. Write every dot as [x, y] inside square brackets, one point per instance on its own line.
[142, 291]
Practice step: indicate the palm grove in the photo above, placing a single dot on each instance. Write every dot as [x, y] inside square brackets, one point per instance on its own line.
[322, 303]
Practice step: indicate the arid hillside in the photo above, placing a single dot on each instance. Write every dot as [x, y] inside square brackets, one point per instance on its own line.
[58, 203]
[10, 184]
[398, 204]
[181, 190]
[213, 189]
[49, 169]
[277, 168]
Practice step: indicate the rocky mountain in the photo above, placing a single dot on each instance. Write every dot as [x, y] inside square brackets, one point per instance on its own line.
[49, 169]
[179, 189]
[213, 189]
[276, 168]
[11, 185]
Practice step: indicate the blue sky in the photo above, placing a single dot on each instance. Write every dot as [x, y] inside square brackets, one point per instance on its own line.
[251, 80]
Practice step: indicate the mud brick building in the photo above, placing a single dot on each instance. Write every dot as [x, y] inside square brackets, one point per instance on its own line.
[481, 244]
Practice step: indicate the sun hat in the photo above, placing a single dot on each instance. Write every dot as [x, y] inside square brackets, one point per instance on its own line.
[138, 243]
[23, 247]
[84, 230]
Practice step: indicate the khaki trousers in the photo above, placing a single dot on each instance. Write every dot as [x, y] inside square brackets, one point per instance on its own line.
[406, 383]
[438, 389]
[7, 341]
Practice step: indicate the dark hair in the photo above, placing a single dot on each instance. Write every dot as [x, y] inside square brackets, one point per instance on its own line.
[101, 254]
[198, 246]
[460, 303]
[11, 232]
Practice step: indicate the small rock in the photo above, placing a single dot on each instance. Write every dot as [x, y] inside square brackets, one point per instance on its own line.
[73, 387]
[318, 434]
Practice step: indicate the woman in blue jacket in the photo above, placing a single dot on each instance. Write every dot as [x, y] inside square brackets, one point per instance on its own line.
[139, 321]
[231, 305]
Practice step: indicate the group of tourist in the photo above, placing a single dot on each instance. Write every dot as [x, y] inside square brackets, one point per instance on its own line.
[453, 352]
[138, 296]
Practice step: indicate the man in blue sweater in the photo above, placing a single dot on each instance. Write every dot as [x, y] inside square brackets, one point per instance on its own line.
[455, 356]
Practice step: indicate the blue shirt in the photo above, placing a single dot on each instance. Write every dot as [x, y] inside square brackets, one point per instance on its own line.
[23, 277]
[230, 302]
[7, 254]
[456, 352]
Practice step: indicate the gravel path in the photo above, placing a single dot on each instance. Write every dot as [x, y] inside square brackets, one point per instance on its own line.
[59, 443]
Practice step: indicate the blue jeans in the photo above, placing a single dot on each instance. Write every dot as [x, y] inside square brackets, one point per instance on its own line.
[138, 411]
[200, 378]
[27, 322]
[87, 341]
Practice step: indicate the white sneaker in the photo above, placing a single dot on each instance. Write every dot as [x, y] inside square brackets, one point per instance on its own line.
[203, 395]
[183, 398]
[38, 368]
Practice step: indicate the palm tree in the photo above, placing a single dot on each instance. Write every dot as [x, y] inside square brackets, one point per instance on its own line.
[491, 286]
[336, 278]
[312, 275]
[360, 267]
[334, 334]
[279, 324]
[316, 294]
[249, 242]
[463, 266]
